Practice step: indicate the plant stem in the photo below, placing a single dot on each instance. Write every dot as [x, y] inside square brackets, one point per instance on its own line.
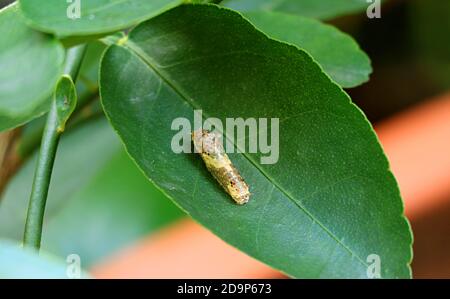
[74, 58]
[46, 158]
[42, 175]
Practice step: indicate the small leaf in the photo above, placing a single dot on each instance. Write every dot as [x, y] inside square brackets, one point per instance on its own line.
[17, 262]
[330, 201]
[30, 64]
[65, 99]
[320, 9]
[345, 63]
[83, 18]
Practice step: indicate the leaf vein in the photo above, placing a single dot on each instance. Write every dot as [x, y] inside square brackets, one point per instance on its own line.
[147, 60]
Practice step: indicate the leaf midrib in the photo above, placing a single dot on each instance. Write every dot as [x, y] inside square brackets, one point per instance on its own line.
[139, 53]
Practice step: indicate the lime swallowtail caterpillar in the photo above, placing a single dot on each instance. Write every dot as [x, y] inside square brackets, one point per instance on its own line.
[209, 146]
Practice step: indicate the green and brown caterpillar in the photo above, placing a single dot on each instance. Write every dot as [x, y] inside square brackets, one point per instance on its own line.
[209, 146]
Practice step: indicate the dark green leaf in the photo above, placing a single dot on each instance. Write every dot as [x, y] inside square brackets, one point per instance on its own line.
[30, 64]
[95, 17]
[337, 53]
[328, 203]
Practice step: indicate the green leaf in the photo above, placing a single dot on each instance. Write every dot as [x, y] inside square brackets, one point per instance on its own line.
[320, 9]
[30, 64]
[345, 63]
[65, 98]
[17, 262]
[95, 17]
[328, 203]
[98, 200]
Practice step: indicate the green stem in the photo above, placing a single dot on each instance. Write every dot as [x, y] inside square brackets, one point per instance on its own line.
[46, 158]
[47, 153]
[74, 58]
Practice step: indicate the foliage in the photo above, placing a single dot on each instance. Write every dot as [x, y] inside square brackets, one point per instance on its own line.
[330, 201]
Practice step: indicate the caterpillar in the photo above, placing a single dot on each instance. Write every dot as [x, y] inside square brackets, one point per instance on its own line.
[209, 146]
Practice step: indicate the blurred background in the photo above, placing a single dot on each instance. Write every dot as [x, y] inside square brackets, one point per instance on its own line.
[122, 226]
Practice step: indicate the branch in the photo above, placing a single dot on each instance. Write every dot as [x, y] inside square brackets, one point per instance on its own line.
[62, 106]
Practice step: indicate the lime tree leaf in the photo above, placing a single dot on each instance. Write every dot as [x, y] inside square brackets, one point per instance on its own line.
[17, 262]
[346, 64]
[65, 98]
[30, 64]
[326, 206]
[320, 9]
[95, 17]
[108, 206]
